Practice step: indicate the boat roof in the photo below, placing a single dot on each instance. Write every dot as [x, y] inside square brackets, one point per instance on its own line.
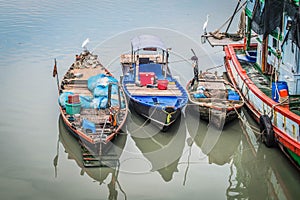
[146, 41]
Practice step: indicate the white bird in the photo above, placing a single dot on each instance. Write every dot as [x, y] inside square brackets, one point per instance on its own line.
[205, 25]
[85, 42]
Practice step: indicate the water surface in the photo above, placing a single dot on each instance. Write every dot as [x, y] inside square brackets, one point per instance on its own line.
[191, 161]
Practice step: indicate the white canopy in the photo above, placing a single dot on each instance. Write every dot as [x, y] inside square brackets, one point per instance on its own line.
[146, 41]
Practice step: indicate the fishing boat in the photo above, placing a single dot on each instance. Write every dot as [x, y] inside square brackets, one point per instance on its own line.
[92, 104]
[148, 83]
[266, 71]
[217, 100]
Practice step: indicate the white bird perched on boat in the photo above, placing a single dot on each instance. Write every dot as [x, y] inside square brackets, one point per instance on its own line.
[205, 25]
[85, 42]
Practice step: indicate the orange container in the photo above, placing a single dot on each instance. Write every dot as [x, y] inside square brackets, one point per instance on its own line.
[283, 93]
[162, 84]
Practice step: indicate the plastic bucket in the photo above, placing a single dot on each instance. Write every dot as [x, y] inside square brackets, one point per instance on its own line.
[73, 108]
[162, 84]
[279, 90]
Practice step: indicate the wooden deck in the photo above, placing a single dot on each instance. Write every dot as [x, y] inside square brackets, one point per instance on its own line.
[172, 90]
[213, 41]
[78, 85]
[212, 85]
[76, 81]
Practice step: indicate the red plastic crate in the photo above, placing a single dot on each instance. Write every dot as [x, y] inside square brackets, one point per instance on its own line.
[73, 99]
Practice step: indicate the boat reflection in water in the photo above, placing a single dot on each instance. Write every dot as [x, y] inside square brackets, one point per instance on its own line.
[109, 165]
[162, 149]
[256, 172]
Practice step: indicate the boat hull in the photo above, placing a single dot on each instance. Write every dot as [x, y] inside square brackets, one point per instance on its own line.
[218, 115]
[218, 112]
[161, 118]
[284, 122]
[96, 149]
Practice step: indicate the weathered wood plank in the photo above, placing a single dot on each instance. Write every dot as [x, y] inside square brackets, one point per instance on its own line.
[155, 92]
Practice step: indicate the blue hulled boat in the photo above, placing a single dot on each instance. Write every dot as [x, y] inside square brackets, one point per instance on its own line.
[148, 83]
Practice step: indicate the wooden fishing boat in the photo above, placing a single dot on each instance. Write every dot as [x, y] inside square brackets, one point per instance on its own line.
[92, 104]
[217, 100]
[148, 83]
[269, 78]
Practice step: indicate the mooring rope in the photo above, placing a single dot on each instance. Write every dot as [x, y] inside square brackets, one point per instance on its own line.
[244, 122]
[169, 115]
[148, 118]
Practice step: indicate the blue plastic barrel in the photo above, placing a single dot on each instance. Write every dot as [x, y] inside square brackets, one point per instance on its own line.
[276, 88]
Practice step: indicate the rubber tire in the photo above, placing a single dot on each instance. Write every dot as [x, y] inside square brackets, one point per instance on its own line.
[266, 129]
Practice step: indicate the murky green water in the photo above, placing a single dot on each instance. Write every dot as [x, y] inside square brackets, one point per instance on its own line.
[39, 159]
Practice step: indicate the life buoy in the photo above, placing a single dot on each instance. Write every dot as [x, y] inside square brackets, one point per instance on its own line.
[266, 129]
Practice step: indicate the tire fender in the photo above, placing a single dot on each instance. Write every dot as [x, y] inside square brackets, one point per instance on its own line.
[266, 129]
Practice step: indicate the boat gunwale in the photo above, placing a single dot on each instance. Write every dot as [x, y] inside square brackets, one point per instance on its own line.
[266, 99]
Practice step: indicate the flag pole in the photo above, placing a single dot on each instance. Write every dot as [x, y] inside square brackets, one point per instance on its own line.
[55, 73]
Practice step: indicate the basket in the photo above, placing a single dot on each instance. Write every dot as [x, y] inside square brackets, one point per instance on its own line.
[73, 108]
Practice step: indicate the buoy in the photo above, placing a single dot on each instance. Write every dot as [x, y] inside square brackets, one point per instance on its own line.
[266, 129]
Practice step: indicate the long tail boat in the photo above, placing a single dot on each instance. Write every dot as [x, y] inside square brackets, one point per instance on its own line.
[266, 69]
[92, 104]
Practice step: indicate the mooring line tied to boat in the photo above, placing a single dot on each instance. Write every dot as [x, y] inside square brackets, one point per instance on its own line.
[265, 131]
[169, 114]
[145, 122]
[245, 124]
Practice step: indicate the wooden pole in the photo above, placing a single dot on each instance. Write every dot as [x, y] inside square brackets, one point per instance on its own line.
[264, 54]
[235, 10]
[108, 105]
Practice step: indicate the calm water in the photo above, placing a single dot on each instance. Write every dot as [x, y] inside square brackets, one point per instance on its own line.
[191, 161]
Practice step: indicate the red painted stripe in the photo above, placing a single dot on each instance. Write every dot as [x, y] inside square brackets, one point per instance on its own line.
[284, 111]
[287, 141]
